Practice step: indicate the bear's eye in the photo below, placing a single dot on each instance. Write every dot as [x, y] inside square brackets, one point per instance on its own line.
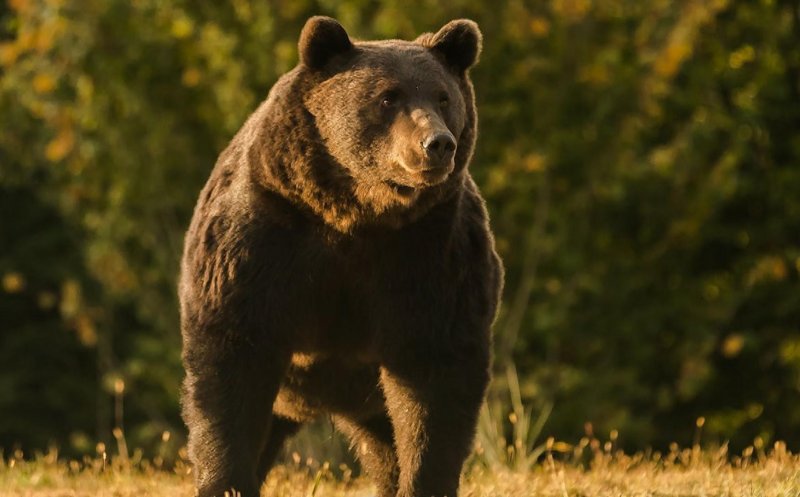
[389, 100]
[444, 101]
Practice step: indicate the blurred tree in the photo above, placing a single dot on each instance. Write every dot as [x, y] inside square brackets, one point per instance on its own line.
[659, 273]
[47, 370]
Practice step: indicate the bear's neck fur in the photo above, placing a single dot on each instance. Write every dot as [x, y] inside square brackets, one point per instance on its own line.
[307, 176]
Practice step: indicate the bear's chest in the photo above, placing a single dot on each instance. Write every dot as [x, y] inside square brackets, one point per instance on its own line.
[344, 295]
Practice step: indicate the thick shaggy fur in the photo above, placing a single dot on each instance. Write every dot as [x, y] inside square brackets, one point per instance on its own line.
[336, 266]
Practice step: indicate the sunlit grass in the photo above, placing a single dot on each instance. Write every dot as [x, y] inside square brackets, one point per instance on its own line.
[590, 468]
[510, 459]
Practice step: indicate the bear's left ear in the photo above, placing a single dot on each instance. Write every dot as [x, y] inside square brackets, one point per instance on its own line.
[458, 41]
[322, 38]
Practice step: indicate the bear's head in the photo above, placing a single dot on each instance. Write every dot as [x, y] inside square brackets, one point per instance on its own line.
[398, 116]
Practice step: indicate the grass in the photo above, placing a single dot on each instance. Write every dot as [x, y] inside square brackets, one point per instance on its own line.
[590, 468]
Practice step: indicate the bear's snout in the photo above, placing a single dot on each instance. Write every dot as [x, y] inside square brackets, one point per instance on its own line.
[440, 148]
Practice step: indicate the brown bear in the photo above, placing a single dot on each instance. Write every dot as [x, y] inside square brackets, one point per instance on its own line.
[340, 263]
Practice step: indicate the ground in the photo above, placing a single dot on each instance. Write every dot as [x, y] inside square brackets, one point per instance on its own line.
[679, 473]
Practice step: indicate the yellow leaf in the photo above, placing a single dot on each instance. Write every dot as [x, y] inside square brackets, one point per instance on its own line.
[778, 269]
[26, 40]
[742, 56]
[790, 351]
[534, 162]
[60, 146]
[13, 282]
[769, 268]
[70, 298]
[44, 40]
[84, 327]
[19, 5]
[572, 10]
[732, 345]
[540, 27]
[671, 58]
[191, 77]
[43, 83]
[182, 27]
[85, 88]
[8, 54]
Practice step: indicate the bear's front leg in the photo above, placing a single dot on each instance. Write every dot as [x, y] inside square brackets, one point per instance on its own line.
[227, 405]
[433, 401]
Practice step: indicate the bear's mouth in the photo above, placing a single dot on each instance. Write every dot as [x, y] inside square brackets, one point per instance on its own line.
[402, 190]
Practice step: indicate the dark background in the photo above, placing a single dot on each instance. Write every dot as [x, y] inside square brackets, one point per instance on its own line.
[640, 159]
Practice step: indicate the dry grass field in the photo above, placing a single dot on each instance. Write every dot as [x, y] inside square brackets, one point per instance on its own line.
[585, 470]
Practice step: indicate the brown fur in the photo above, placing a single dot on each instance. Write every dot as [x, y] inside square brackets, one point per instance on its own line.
[334, 265]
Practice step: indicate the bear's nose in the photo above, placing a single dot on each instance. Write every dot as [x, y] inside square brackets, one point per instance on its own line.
[440, 146]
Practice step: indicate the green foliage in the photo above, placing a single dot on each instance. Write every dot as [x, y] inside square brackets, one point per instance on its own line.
[640, 160]
[657, 217]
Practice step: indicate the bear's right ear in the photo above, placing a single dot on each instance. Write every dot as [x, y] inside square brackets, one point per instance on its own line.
[322, 38]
